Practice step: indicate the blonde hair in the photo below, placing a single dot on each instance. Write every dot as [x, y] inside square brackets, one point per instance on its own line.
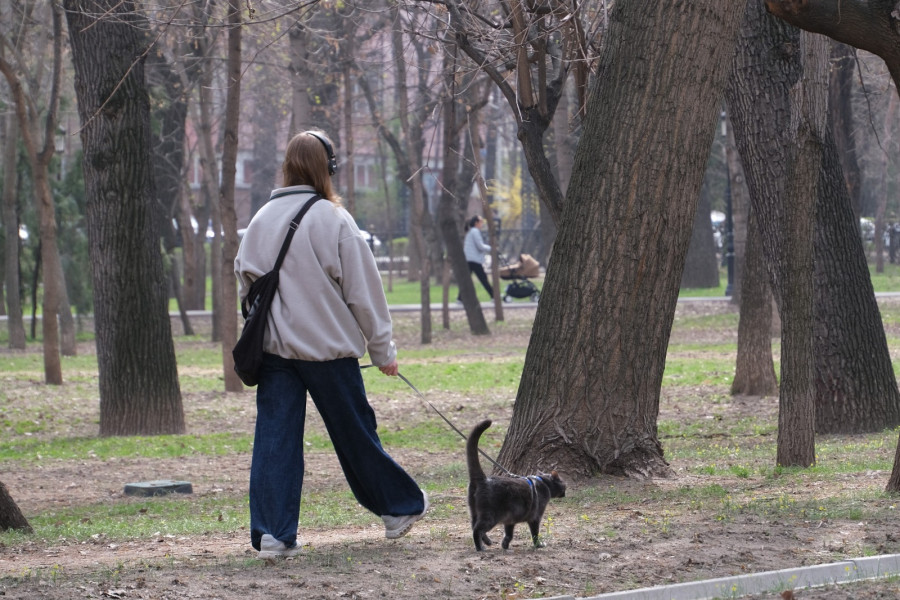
[306, 163]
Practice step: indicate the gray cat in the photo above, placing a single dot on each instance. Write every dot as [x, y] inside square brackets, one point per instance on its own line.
[506, 500]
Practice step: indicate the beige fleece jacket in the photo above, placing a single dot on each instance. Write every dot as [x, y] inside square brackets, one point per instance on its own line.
[330, 302]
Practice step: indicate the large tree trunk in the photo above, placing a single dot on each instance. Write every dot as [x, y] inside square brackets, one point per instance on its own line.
[796, 414]
[193, 253]
[701, 268]
[10, 515]
[68, 344]
[840, 106]
[588, 401]
[847, 321]
[856, 389]
[893, 484]
[15, 323]
[740, 215]
[754, 368]
[52, 284]
[139, 393]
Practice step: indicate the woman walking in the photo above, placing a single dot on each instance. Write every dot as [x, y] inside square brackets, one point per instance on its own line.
[475, 250]
[330, 309]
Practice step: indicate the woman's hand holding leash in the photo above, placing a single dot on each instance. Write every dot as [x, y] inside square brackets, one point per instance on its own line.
[392, 369]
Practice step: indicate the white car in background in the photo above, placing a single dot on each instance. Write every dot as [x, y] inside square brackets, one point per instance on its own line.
[371, 240]
[867, 228]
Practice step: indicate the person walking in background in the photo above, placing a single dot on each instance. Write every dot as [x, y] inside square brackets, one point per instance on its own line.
[329, 310]
[475, 250]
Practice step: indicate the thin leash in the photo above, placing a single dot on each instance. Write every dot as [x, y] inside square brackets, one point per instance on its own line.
[448, 422]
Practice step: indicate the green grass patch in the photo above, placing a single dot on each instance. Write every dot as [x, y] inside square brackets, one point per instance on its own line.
[103, 448]
[887, 281]
[174, 515]
[147, 518]
[23, 364]
[431, 435]
[780, 505]
[703, 370]
[409, 292]
[476, 377]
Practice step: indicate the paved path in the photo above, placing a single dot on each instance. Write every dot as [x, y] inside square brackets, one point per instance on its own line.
[769, 582]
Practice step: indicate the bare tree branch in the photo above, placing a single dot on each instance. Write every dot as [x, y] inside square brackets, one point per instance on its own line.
[873, 26]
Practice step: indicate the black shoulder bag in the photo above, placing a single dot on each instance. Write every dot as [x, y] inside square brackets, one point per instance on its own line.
[248, 351]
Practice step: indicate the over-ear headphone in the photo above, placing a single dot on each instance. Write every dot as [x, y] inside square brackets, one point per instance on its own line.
[332, 159]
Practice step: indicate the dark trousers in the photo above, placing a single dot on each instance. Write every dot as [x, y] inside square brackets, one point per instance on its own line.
[276, 471]
[476, 268]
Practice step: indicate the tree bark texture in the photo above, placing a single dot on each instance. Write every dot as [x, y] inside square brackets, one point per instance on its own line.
[226, 198]
[796, 413]
[68, 344]
[893, 485]
[51, 269]
[754, 373]
[840, 106]
[856, 389]
[852, 360]
[740, 213]
[10, 515]
[139, 393]
[588, 401]
[701, 265]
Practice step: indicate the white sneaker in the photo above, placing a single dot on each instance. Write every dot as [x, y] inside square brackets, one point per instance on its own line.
[269, 547]
[395, 527]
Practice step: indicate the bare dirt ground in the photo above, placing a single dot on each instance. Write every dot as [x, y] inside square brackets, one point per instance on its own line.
[629, 535]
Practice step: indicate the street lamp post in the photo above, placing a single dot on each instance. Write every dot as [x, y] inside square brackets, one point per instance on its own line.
[729, 222]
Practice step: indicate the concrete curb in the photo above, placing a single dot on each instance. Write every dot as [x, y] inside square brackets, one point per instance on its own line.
[848, 571]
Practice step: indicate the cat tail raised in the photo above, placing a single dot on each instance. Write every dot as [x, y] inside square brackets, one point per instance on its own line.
[475, 470]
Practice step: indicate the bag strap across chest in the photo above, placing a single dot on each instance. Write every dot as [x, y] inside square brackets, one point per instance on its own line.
[295, 222]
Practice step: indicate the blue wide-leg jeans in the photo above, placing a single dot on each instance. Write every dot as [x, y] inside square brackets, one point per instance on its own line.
[276, 472]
